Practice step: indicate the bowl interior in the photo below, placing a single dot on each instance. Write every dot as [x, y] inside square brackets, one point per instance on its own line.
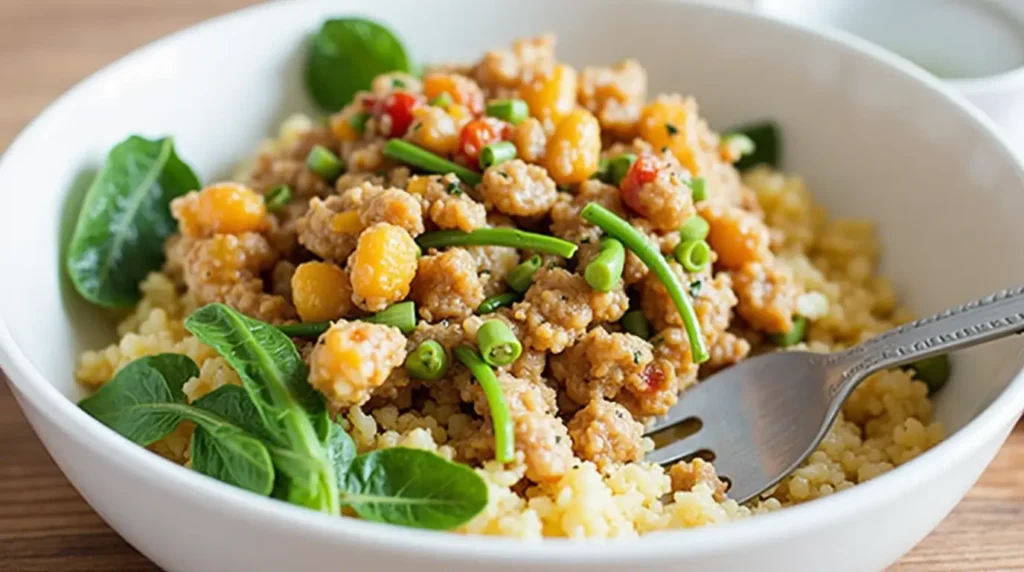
[872, 141]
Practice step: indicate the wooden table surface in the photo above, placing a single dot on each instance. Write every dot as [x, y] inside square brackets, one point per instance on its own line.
[46, 47]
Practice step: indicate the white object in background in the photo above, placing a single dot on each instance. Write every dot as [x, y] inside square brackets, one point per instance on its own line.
[873, 136]
[975, 46]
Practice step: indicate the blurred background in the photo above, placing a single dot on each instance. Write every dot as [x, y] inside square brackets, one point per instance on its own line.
[49, 45]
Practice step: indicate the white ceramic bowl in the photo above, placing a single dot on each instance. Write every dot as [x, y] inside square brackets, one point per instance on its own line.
[873, 136]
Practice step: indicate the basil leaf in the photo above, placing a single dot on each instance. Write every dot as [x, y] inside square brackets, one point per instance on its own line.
[133, 403]
[275, 378]
[413, 488]
[344, 57]
[342, 451]
[767, 144]
[125, 218]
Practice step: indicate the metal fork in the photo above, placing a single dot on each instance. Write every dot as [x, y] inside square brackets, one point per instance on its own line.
[762, 417]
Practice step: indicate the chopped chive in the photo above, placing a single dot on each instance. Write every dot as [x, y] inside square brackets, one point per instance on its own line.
[497, 343]
[358, 121]
[794, 336]
[418, 157]
[634, 322]
[512, 110]
[443, 100]
[699, 188]
[651, 257]
[325, 163]
[396, 82]
[501, 420]
[497, 153]
[619, 166]
[278, 197]
[694, 228]
[498, 237]
[520, 277]
[429, 361]
[604, 271]
[498, 301]
[694, 255]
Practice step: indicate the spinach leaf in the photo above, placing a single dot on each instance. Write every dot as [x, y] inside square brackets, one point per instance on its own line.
[413, 488]
[344, 57]
[144, 403]
[125, 217]
[275, 378]
[767, 144]
[134, 403]
[232, 403]
[342, 451]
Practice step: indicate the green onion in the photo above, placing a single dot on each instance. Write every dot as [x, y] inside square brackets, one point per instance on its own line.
[401, 315]
[694, 228]
[520, 277]
[933, 371]
[794, 336]
[602, 170]
[699, 188]
[429, 361]
[651, 257]
[498, 344]
[604, 271]
[694, 255]
[497, 237]
[497, 153]
[635, 323]
[305, 330]
[499, 301]
[325, 163]
[443, 100]
[504, 435]
[512, 110]
[418, 157]
[278, 197]
[619, 166]
[767, 145]
[358, 121]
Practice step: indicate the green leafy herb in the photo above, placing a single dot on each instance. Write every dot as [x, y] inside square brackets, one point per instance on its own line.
[671, 129]
[346, 55]
[144, 403]
[767, 145]
[413, 488]
[342, 451]
[275, 378]
[125, 218]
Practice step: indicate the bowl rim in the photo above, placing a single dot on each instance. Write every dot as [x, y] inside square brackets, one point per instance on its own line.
[30, 384]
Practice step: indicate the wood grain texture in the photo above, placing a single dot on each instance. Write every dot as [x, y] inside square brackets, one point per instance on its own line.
[46, 47]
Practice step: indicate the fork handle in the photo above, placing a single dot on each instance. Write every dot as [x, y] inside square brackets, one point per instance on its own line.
[992, 317]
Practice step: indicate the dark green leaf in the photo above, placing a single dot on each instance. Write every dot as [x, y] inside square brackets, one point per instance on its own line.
[933, 371]
[342, 451]
[135, 403]
[232, 403]
[125, 218]
[227, 453]
[767, 145]
[413, 488]
[344, 57]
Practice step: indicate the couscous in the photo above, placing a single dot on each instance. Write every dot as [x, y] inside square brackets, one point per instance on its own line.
[532, 352]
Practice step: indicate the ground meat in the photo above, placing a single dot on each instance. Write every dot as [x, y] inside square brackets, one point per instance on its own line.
[447, 285]
[518, 189]
[713, 300]
[539, 435]
[365, 156]
[508, 68]
[447, 205]
[176, 248]
[686, 475]
[600, 364]
[672, 345]
[318, 233]
[565, 213]
[666, 201]
[767, 296]
[531, 363]
[606, 433]
[530, 140]
[283, 234]
[351, 359]
[725, 351]
[493, 265]
[556, 310]
[271, 171]
[737, 236]
[615, 95]
[281, 279]
[249, 298]
[658, 390]
[435, 130]
[377, 204]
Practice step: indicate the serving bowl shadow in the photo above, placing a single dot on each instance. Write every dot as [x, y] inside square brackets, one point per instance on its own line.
[874, 137]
